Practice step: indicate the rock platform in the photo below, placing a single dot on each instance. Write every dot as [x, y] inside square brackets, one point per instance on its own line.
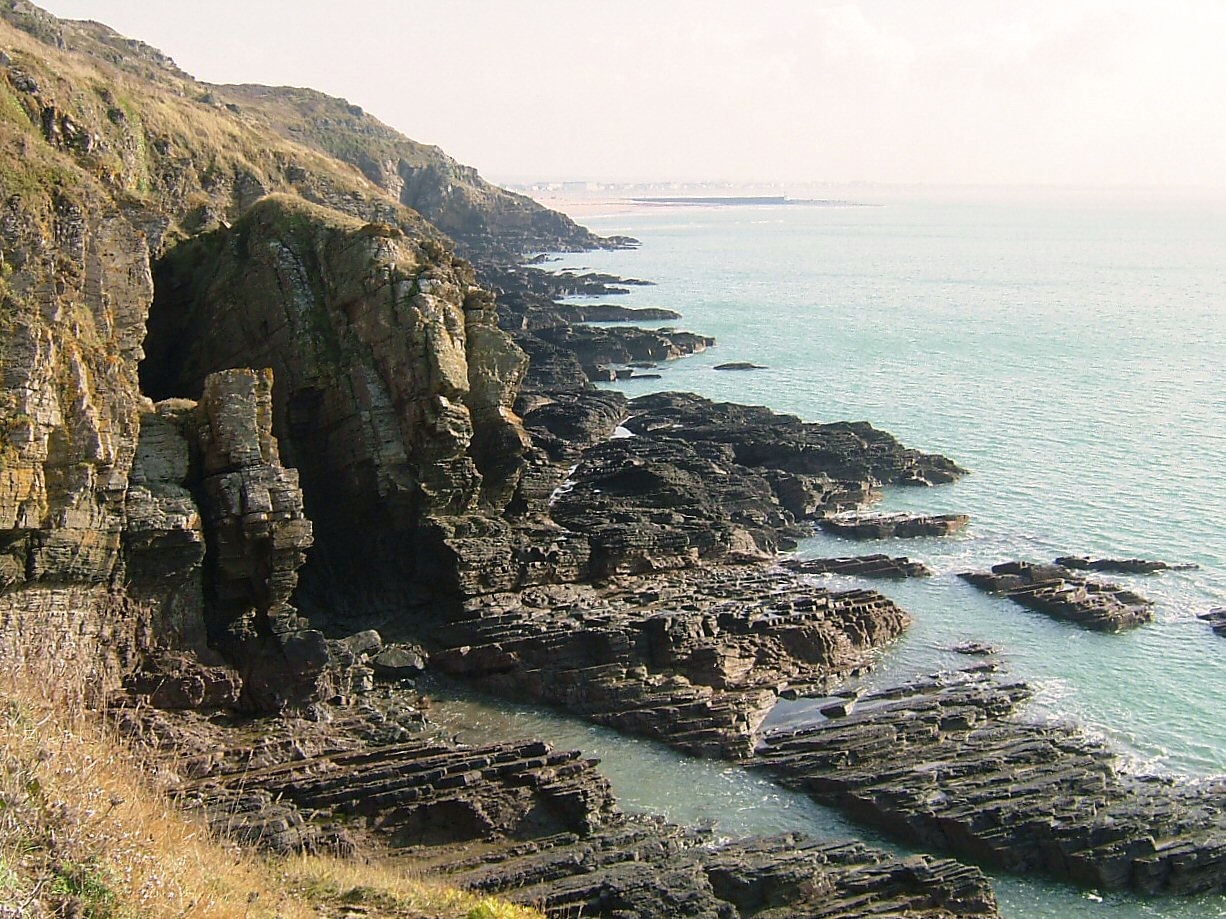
[1056, 592]
[1119, 565]
[696, 658]
[866, 566]
[946, 763]
[893, 526]
[519, 819]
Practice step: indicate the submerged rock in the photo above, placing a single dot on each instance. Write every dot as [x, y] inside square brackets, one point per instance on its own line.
[1053, 590]
[1216, 619]
[738, 365]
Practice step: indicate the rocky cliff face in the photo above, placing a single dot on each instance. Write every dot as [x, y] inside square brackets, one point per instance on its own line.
[122, 522]
[483, 219]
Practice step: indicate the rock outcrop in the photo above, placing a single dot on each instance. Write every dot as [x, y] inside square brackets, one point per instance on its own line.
[865, 566]
[1118, 565]
[694, 658]
[521, 819]
[946, 763]
[893, 526]
[1053, 590]
[394, 384]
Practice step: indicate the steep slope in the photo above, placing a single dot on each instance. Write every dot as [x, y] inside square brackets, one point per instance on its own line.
[485, 220]
[114, 162]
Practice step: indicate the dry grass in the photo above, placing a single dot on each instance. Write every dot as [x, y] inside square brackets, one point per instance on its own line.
[385, 887]
[83, 833]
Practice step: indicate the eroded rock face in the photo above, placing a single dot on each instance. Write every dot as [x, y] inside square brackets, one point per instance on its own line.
[74, 294]
[394, 385]
[945, 762]
[257, 537]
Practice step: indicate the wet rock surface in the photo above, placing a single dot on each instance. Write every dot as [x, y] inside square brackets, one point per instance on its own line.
[867, 566]
[891, 526]
[1119, 565]
[695, 658]
[1053, 590]
[946, 763]
[1217, 620]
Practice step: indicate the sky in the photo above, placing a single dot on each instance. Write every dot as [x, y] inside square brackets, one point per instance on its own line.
[1099, 93]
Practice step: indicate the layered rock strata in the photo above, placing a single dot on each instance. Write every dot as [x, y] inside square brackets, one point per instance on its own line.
[946, 763]
[891, 526]
[520, 819]
[694, 658]
[865, 566]
[648, 869]
[1054, 591]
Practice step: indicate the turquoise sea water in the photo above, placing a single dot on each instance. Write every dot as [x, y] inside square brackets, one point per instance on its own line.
[1070, 351]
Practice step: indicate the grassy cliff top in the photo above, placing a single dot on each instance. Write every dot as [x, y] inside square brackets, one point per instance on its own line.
[125, 115]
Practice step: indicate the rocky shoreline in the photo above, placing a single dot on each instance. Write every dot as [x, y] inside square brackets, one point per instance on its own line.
[290, 427]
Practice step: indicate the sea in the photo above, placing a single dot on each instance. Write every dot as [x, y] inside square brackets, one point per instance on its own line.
[1069, 348]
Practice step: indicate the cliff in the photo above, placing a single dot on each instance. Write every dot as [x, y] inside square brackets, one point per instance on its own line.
[124, 525]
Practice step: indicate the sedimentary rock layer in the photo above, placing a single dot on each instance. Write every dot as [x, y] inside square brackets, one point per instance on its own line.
[887, 526]
[867, 566]
[1053, 590]
[946, 763]
[694, 658]
[520, 819]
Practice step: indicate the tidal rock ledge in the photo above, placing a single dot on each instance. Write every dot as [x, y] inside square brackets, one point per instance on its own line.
[946, 763]
[1053, 590]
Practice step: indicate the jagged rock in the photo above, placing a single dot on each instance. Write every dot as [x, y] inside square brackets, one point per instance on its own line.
[1217, 620]
[648, 869]
[646, 503]
[868, 566]
[1118, 565]
[597, 347]
[1053, 590]
[251, 506]
[566, 422]
[888, 526]
[696, 658]
[394, 386]
[943, 762]
[163, 537]
[760, 438]
[521, 820]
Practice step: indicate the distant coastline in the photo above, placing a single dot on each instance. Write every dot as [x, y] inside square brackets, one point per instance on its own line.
[745, 201]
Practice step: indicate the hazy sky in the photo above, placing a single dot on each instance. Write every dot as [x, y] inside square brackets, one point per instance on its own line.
[1097, 92]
